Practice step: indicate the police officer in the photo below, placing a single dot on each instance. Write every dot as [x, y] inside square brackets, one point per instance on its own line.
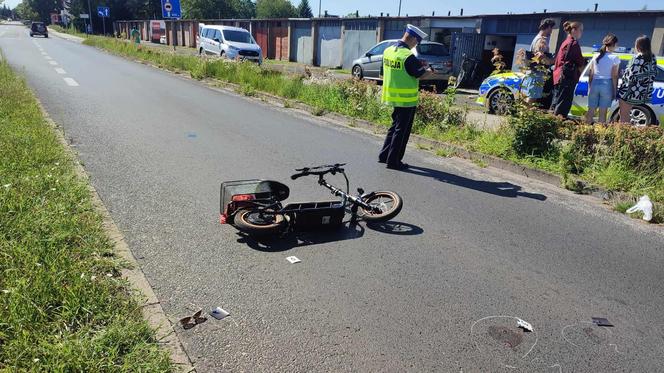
[401, 71]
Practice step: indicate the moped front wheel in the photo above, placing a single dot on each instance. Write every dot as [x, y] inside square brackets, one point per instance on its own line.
[384, 206]
[259, 222]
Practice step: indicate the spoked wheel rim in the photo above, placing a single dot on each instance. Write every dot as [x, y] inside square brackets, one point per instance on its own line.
[260, 218]
[357, 72]
[384, 206]
[500, 102]
[639, 118]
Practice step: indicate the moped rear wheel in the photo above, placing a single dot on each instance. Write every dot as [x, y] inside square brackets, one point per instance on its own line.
[388, 203]
[259, 222]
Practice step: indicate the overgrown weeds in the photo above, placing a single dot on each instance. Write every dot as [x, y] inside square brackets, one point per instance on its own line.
[63, 306]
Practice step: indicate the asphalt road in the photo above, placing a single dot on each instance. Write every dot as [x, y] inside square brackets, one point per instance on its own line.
[440, 290]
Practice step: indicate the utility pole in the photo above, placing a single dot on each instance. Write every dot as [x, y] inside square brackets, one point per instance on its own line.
[90, 17]
[319, 7]
[399, 14]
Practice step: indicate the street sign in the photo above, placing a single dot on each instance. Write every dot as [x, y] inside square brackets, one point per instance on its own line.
[170, 9]
[103, 11]
[84, 16]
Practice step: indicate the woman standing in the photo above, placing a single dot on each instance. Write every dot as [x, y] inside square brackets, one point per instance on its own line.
[567, 69]
[603, 79]
[636, 85]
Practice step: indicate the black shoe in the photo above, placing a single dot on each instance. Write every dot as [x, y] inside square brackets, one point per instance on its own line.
[382, 161]
[399, 166]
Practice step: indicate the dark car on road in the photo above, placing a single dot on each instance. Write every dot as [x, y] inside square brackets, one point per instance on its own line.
[38, 28]
[435, 54]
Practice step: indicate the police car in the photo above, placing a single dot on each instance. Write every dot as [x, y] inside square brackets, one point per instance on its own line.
[497, 93]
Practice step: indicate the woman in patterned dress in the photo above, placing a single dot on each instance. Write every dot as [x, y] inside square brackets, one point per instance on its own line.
[635, 88]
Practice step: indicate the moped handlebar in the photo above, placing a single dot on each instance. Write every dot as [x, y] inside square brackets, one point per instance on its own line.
[328, 169]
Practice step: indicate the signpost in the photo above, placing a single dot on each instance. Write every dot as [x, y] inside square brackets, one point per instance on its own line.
[170, 9]
[104, 12]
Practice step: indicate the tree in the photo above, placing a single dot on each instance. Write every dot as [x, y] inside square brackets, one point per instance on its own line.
[25, 12]
[275, 9]
[209, 9]
[245, 9]
[304, 10]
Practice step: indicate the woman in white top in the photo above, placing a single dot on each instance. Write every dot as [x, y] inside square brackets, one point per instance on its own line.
[603, 79]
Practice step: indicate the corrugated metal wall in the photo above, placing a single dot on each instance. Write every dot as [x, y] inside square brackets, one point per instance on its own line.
[278, 41]
[302, 43]
[328, 45]
[470, 44]
[260, 33]
[358, 37]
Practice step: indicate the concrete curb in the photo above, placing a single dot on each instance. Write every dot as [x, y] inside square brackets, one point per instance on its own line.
[151, 308]
[61, 35]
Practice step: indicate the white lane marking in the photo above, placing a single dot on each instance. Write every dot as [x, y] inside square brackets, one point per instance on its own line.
[60, 71]
[2, 33]
[48, 57]
[70, 82]
[44, 53]
[53, 63]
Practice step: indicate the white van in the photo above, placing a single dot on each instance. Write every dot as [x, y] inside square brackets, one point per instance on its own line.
[229, 42]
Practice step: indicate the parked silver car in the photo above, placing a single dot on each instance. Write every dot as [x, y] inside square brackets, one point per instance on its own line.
[229, 42]
[435, 54]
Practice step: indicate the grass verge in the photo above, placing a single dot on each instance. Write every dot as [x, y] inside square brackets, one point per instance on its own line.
[63, 304]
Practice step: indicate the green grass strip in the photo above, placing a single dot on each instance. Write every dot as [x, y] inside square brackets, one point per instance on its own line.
[63, 306]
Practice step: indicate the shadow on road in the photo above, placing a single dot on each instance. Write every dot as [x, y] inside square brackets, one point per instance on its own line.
[396, 228]
[348, 231]
[501, 189]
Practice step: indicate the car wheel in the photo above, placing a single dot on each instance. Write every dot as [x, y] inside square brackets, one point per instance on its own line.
[500, 101]
[640, 116]
[46, 36]
[31, 35]
[200, 52]
[357, 72]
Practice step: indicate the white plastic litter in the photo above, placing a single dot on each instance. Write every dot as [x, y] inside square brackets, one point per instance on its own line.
[218, 313]
[523, 324]
[644, 205]
[293, 259]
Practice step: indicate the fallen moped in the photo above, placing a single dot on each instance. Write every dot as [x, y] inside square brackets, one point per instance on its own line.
[254, 206]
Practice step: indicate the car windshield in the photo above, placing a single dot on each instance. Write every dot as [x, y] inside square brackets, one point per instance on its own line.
[238, 36]
[433, 50]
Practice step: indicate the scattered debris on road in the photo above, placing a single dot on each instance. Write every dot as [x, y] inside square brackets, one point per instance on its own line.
[293, 259]
[219, 313]
[524, 325]
[600, 321]
[193, 320]
[644, 205]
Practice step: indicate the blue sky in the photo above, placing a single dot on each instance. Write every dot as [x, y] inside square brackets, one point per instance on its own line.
[441, 7]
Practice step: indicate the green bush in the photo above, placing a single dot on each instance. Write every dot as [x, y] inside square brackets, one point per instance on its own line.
[533, 131]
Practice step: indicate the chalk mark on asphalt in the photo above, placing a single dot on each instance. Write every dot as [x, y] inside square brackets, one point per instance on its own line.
[70, 82]
[508, 317]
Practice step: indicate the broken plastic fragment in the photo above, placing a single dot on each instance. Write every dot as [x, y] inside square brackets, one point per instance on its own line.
[524, 325]
[293, 259]
[219, 313]
[601, 321]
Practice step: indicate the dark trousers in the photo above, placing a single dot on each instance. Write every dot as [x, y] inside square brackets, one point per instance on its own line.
[563, 94]
[397, 136]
